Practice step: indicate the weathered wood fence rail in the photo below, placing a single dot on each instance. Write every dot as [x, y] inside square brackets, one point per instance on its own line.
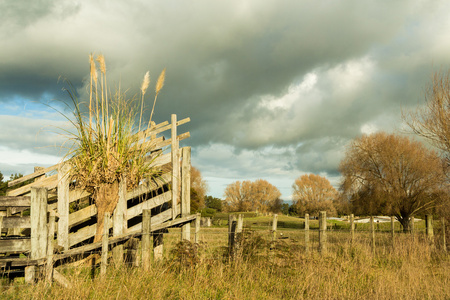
[26, 213]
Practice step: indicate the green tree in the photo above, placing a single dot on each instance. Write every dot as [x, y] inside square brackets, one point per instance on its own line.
[213, 202]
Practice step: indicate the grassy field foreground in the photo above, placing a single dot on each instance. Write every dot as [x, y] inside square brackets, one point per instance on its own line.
[412, 270]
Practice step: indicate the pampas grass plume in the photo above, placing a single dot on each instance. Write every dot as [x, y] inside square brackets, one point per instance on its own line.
[101, 61]
[160, 82]
[145, 83]
[93, 68]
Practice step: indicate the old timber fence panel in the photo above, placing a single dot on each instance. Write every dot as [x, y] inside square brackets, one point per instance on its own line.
[25, 213]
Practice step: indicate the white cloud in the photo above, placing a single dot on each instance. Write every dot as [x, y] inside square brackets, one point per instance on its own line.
[14, 157]
[368, 129]
[296, 92]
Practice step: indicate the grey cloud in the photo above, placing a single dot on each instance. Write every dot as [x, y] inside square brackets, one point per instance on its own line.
[224, 58]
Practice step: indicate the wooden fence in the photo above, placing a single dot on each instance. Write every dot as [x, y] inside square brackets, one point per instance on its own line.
[49, 220]
[235, 231]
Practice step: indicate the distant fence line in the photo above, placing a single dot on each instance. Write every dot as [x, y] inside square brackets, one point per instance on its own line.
[236, 230]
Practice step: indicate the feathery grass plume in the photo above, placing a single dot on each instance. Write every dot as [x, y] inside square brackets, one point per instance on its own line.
[144, 87]
[104, 114]
[92, 71]
[160, 82]
[145, 83]
[159, 86]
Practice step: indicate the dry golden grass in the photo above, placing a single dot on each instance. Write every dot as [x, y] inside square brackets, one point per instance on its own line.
[413, 270]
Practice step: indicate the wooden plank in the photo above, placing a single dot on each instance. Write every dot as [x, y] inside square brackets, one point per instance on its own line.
[197, 228]
[38, 222]
[19, 262]
[77, 194]
[15, 245]
[322, 232]
[151, 131]
[169, 141]
[186, 191]
[149, 204]
[15, 201]
[175, 167]
[82, 215]
[120, 220]
[146, 230]
[50, 237]
[133, 232]
[89, 231]
[156, 220]
[161, 128]
[146, 187]
[63, 205]
[104, 262]
[17, 222]
[60, 279]
[82, 235]
[161, 160]
[49, 183]
[33, 175]
[151, 144]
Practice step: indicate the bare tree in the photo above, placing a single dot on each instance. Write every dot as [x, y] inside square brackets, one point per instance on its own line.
[432, 121]
[391, 174]
[313, 193]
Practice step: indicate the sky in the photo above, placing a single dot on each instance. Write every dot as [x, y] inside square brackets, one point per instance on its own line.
[274, 89]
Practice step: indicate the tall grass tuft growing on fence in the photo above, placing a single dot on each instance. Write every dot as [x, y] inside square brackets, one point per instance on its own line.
[106, 147]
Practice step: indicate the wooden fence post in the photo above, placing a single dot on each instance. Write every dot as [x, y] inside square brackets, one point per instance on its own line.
[146, 236]
[120, 221]
[63, 205]
[197, 228]
[274, 227]
[186, 192]
[39, 233]
[175, 167]
[50, 237]
[429, 228]
[105, 237]
[158, 246]
[232, 224]
[444, 245]
[238, 237]
[352, 227]
[392, 230]
[323, 232]
[372, 232]
[306, 233]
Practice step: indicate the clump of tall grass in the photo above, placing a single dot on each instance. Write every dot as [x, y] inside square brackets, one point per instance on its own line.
[106, 147]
